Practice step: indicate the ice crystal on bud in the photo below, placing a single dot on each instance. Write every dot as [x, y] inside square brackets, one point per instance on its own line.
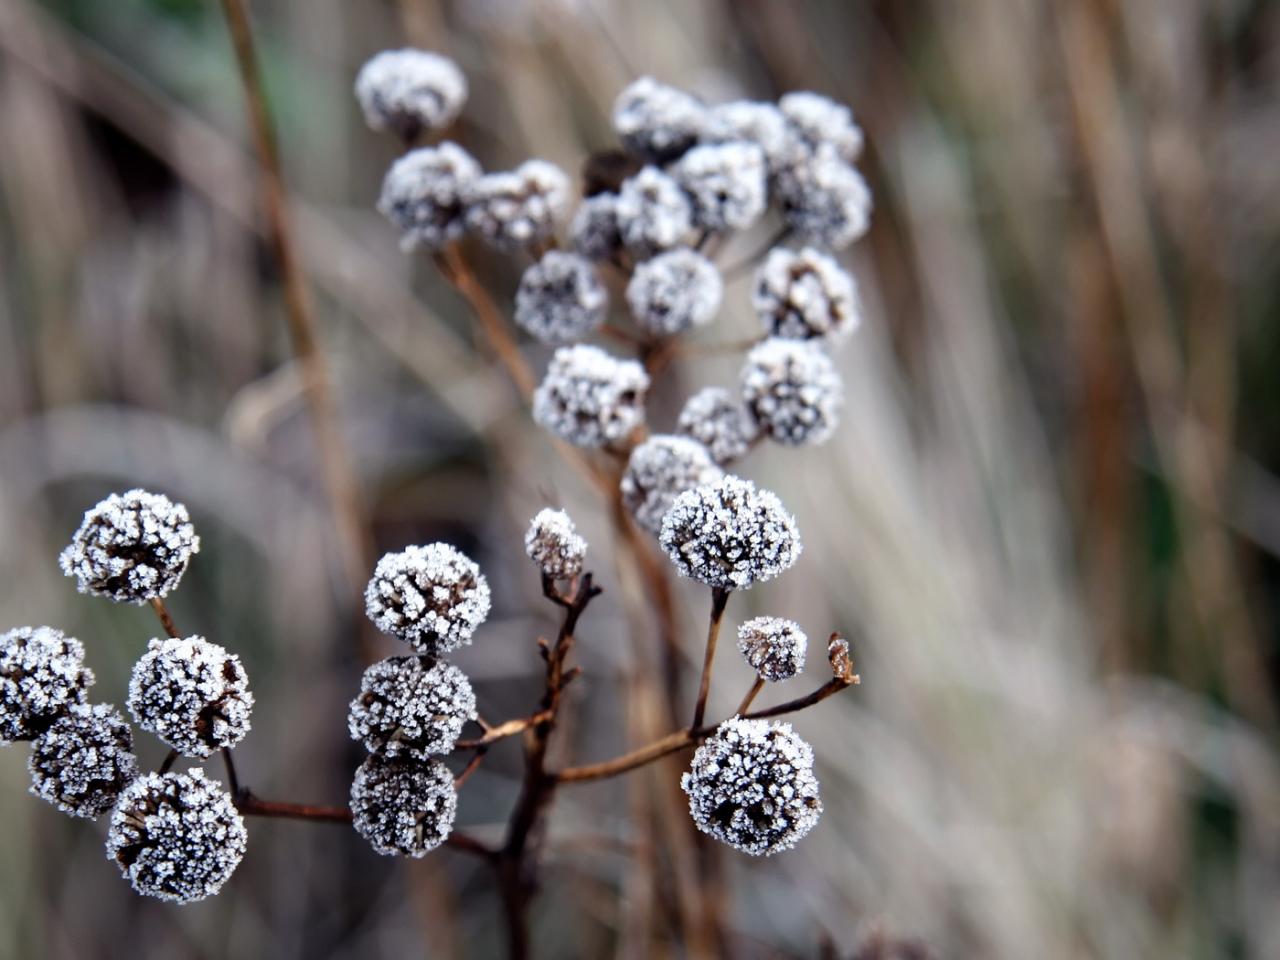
[83, 762]
[422, 195]
[816, 120]
[403, 807]
[42, 675]
[590, 398]
[804, 295]
[432, 597]
[755, 122]
[657, 121]
[410, 90]
[552, 543]
[719, 421]
[824, 200]
[774, 647]
[726, 182]
[674, 292]
[560, 298]
[411, 708]
[793, 391]
[659, 470]
[514, 208]
[594, 230]
[751, 785]
[653, 213]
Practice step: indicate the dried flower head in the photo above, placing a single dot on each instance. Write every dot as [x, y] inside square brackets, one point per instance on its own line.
[719, 420]
[816, 120]
[84, 761]
[774, 647]
[674, 292]
[793, 391]
[42, 675]
[657, 121]
[552, 543]
[560, 298]
[590, 398]
[422, 195]
[594, 230]
[730, 535]
[131, 547]
[726, 182]
[824, 200]
[432, 597]
[403, 807]
[408, 91]
[192, 694]
[515, 208]
[755, 122]
[805, 294]
[659, 470]
[411, 707]
[653, 213]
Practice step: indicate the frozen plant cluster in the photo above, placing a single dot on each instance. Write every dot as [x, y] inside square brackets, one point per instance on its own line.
[659, 470]
[553, 544]
[411, 707]
[407, 91]
[83, 762]
[42, 675]
[560, 298]
[774, 647]
[792, 389]
[720, 421]
[432, 597]
[674, 292]
[423, 195]
[589, 398]
[403, 807]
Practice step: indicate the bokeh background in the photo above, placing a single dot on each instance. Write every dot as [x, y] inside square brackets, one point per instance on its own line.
[1050, 519]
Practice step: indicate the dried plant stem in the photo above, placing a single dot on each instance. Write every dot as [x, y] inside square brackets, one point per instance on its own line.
[751, 695]
[169, 760]
[470, 768]
[166, 620]
[719, 599]
[233, 779]
[508, 728]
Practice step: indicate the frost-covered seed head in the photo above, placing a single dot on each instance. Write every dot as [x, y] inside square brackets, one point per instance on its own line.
[403, 807]
[730, 535]
[42, 675]
[657, 121]
[422, 195]
[774, 647]
[515, 208]
[408, 91]
[793, 391]
[560, 298]
[755, 122]
[83, 762]
[594, 230]
[176, 836]
[590, 398]
[674, 292]
[816, 120]
[805, 294]
[132, 547]
[727, 183]
[432, 597]
[659, 470]
[824, 200]
[718, 420]
[751, 785]
[410, 707]
[653, 213]
[192, 694]
[552, 543]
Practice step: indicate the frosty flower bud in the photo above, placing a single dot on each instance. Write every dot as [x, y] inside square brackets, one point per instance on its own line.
[792, 390]
[816, 120]
[674, 292]
[760, 123]
[751, 785]
[774, 647]
[552, 543]
[192, 694]
[403, 807]
[594, 230]
[560, 298]
[410, 90]
[411, 708]
[824, 200]
[590, 398]
[516, 208]
[657, 121]
[653, 213]
[42, 675]
[132, 547]
[432, 597]
[803, 295]
[83, 762]
[726, 182]
[729, 535]
[719, 421]
[659, 470]
[176, 836]
[422, 195]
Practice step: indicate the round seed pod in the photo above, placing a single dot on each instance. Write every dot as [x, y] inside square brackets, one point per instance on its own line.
[403, 807]
[408, 91]
[653, 213]
[659, 470]
[552, 543]
[412, 708]
[727, 184]
[816, 121]
[755, 122]
[84, 761]
[774, 647]
[432, 597]
[657, 121]
[674, 292]
[590, 398]
[792, 390]
[719, 421]
[42, 675]
[825, 200]
[422, 195]
[515, 208]
[805, 295]
[560, 298]
[594, 230]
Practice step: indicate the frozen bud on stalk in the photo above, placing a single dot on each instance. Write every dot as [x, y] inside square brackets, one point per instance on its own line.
[660, 469]
[760, 123]
[751, 785]
[653, 213]
[432, 597]
[590, 398]
[816, 120]
[554, 546]
[176, 836]
[42, 675]
[560, 298]
[422, 195]
[403, 807]
[192, 694]
[83, 762]
[730, 535]
[674, 292]
[805, 294]
[726, 182]
[719, 421]
[657, 121]
[407, 91]
[411, 708]
[516, 208]
[824, 200]
[774, 647]
[132, 547]
[793, 391]
[594, 230]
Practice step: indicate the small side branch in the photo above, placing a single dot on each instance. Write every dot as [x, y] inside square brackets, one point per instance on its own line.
[166, 620]
[719, 599]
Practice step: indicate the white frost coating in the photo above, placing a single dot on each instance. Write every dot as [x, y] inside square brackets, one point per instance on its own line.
[793, 391]
[407, 91]
[554, 545]
[176, 836]
[83, 762]
[805, 294]
[411, 708]
[594, 230]
[590, 398]
[192, 694]
[730, 535]
[42, 675]
[514, 208]
[560, 298]
[726, 182]
[432, 597]
[719, 421]
[774, 647]
[657, 121]
[132, 547]
[755, 122]
[815, 120]
[674, 292]
[824, 200]
[653, 213]
[403, 807]
[422, 195]
[751, 785]
[659, 470]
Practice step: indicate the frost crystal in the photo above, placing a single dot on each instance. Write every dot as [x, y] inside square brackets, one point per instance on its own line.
[805, 295]
[594, 230]
[410, 90]
[774, 647]
[760, 123]
[131, 547]
[657, 121]
[793, 391]
[411, 708]
[590, 398]
[432, 597]
[42, 675]
[176, 836]
[403, 807]
[720, 422]
[751, 785]
[422, 195]
[726, 182]
[824, 200]
[83, 762]
[816, 121]
[552, 543]
[730, 535]
[515, 208]
[560, 298]
[674, 292]
[192, 694]
[653, 213]
[660, 469]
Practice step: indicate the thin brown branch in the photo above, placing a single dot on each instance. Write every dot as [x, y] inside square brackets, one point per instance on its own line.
[170, 759]
[166, 620]
[471, 767]
[751, 695]
[233, 779]
[719, 599]
[508, 728]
